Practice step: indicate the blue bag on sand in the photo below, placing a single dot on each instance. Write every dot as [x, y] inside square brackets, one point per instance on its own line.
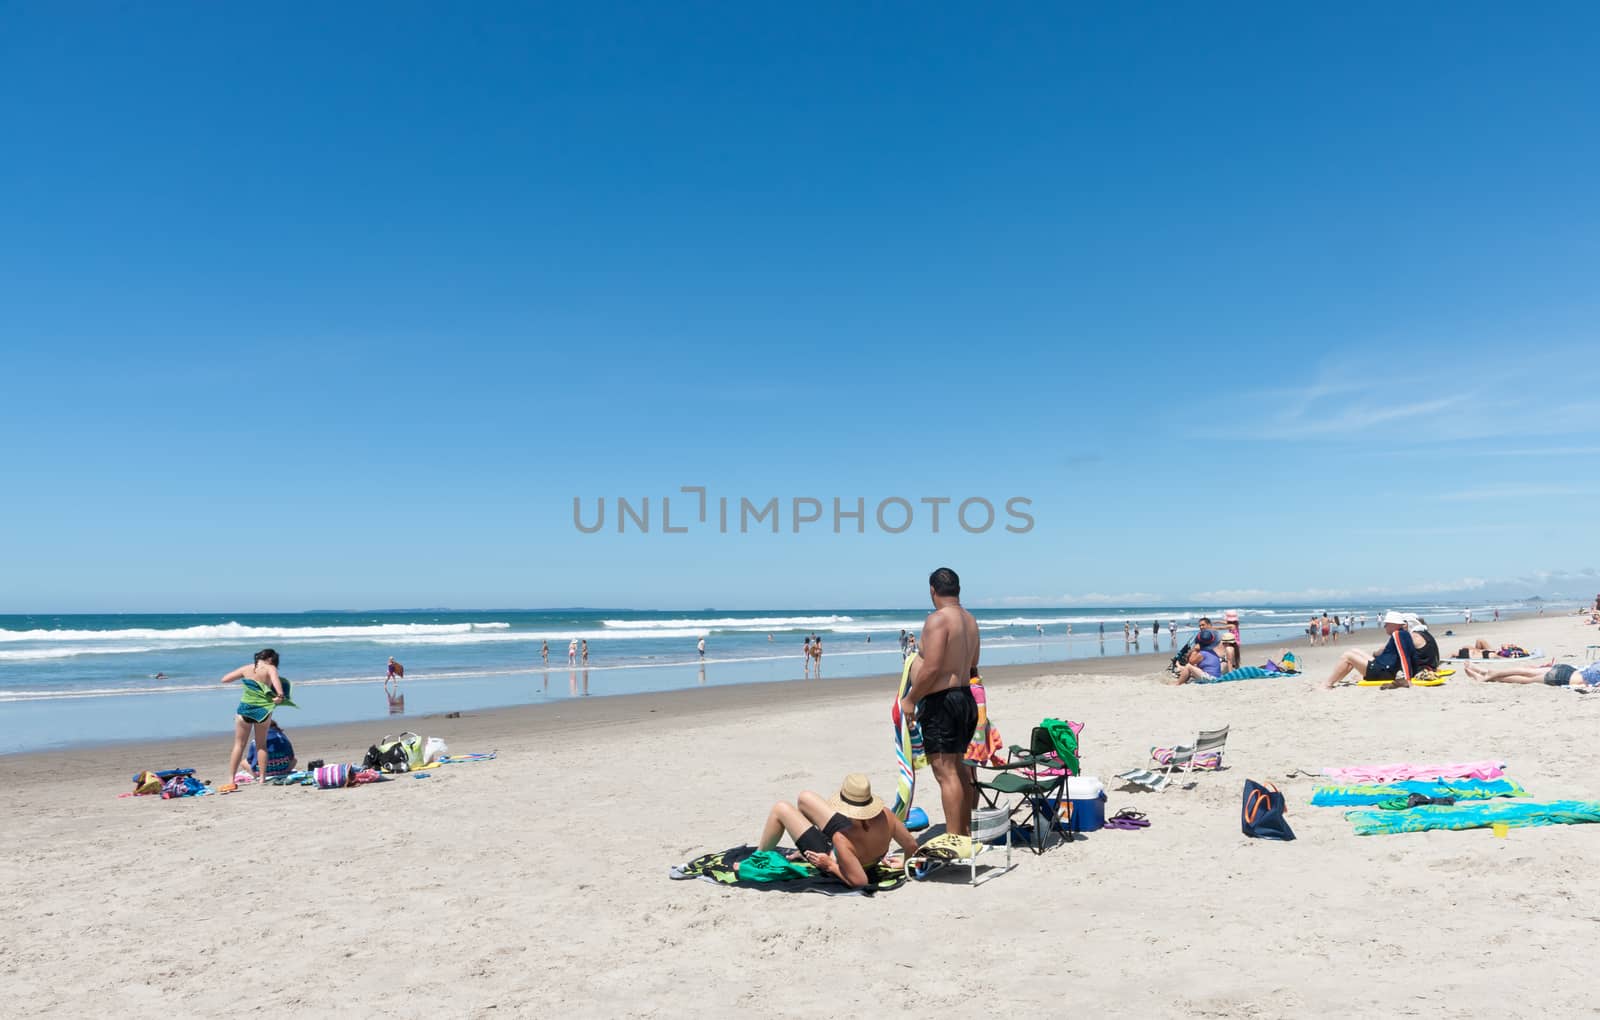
[280, 752]
[917, 819]
[1262, 815]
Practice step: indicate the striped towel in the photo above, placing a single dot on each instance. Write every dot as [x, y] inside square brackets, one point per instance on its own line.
[1249, 673]
[1205, 761]
[1515, 813]
[1489, 769]
[1460, 789]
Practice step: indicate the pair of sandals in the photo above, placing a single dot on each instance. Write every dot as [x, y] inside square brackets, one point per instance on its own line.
[1128, 820]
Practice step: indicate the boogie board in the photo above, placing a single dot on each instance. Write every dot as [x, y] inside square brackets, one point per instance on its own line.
[907, 744]
[1440, 676]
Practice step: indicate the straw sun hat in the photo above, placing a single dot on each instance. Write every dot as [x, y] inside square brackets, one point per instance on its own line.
[855, 799]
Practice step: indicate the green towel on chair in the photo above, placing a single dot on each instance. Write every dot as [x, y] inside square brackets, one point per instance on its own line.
[1066, 743]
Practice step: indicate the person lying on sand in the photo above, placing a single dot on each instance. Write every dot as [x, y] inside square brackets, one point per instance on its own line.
[1204, 664]
[1479, 649]
[1555, 675]
[842, 836]
[1387, 664]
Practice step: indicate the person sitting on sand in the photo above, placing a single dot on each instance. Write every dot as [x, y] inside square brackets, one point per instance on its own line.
[1428, 654]
[1230, 627]
[1395, 663]
[841, 837]
[1204, 664]
[264, 691]
[1554, 674]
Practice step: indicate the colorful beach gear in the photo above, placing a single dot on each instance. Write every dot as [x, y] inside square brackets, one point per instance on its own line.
[1511, 813]
[1262, 814]
[1400, 771]
[333, 777]
[1378, 793]
[908, 753]
[255, 699]
[725, 868]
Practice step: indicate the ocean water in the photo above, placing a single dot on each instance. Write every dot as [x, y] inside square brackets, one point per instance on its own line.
[77, 679]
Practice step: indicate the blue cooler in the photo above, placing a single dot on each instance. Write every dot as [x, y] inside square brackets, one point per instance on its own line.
[1088, 800]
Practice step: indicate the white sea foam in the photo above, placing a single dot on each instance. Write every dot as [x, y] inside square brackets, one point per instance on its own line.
[232, 632]
[70, 693]
[731, 623]
[68, 651]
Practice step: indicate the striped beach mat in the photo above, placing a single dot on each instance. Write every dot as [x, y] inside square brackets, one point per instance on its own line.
[1376, 793]
[1512, 813]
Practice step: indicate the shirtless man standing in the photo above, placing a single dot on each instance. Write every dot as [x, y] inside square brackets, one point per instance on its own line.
[940, 698]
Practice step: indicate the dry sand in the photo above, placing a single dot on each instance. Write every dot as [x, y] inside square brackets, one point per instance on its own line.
[537, 883]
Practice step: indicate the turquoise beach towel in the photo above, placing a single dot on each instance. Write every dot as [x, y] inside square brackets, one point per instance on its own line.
[1460, 789]
[1517, 814]
[1249, 673]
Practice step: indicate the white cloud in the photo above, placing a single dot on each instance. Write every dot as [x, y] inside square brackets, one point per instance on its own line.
[1548, 583]
[1248, 596]
[1485, 396]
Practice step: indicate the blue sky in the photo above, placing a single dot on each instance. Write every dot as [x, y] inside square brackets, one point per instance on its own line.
[311, 307]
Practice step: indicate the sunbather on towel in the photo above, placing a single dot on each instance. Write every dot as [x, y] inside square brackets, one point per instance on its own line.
[1554, 674]
[842, 836]
[1398, 660]
[1204, 664]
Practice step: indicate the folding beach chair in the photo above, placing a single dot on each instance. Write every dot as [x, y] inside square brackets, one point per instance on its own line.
[987, 824]
[1208, 742]
[1033, 777]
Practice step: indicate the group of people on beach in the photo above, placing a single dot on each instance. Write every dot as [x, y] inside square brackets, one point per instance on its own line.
[1211, 653]
[1409, 651]
[1324, 628]
[847, 833]
[812, 650]
[908, 644]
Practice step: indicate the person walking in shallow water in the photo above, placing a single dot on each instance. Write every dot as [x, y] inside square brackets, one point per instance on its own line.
[544, 652]
[585, 647]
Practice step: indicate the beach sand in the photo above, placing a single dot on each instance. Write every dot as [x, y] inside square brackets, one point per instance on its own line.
[537, 883]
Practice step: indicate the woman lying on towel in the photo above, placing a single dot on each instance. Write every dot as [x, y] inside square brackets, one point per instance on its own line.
[1554, 674]
[839, 837]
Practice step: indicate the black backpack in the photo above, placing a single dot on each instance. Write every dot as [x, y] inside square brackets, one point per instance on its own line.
[392, 758]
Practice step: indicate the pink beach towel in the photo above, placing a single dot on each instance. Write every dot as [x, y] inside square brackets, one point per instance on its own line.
[1403, 771]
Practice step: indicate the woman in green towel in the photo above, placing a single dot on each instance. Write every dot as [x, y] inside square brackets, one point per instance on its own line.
[264, 690]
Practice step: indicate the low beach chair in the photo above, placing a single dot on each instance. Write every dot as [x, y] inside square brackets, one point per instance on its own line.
[988, 824]
[1208, 742]
[1033, 777]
